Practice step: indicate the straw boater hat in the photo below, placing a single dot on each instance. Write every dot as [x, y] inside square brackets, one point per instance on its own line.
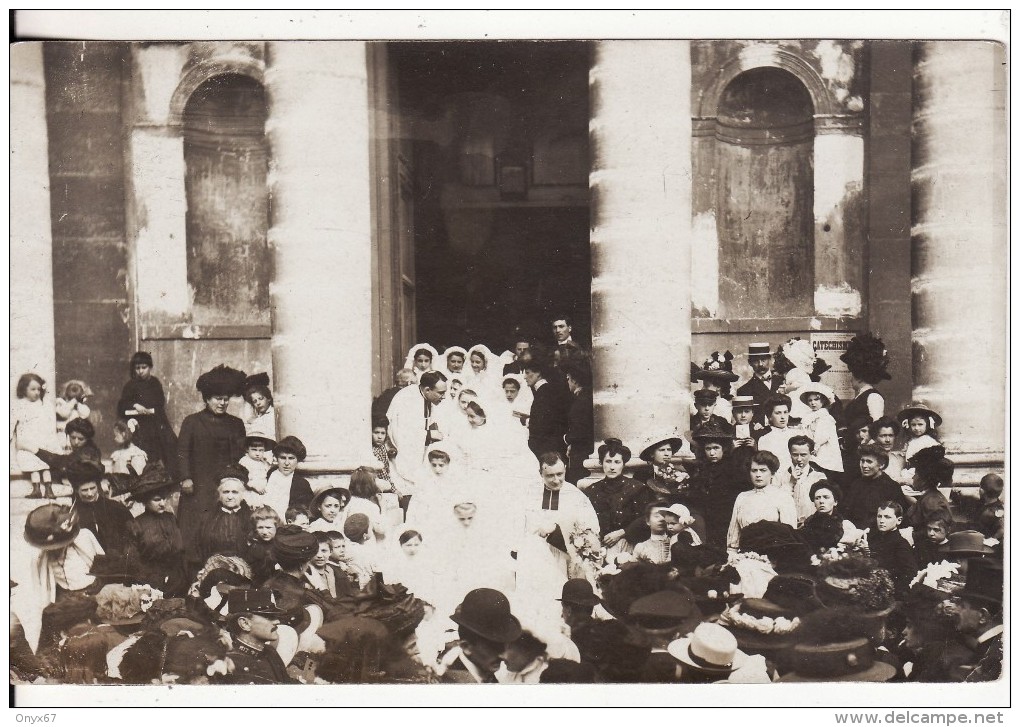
[919, 410]
[710, 649]
[746, 402]
[675, 442]
[756, 350]
[51, 526]
[255, 435]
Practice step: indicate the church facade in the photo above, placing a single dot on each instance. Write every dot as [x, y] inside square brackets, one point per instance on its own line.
[313, 209]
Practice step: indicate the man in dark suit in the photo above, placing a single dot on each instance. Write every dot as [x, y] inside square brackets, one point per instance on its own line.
[580, 435]
[547, 424]
[522, 354]
[764, 383]
[404, 377]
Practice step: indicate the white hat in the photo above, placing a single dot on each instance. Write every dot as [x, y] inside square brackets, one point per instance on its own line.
[710, 649]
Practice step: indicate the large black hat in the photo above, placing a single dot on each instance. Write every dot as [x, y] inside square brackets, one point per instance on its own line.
[486, 612]
[221, 381]
[712, 430]
[984, 581]
[154, 478]
[51, 526]
[867, 358]
[717, 367]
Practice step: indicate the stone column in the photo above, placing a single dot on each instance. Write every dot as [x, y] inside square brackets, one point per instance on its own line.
[320, 236]
[641, 238]
[959, 244]
[31, 243]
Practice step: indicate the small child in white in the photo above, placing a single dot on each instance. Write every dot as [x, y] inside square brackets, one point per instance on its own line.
[128, 458]
[258, 451]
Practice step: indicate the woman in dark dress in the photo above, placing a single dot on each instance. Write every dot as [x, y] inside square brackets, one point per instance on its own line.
[143, 400]
[209, 441]
[868, 361]
[618, 500]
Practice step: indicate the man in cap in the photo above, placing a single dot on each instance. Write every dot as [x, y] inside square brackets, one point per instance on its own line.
[663, 617]
[253, 620]
[485, 627]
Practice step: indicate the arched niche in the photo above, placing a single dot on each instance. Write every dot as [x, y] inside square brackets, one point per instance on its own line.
[226, 159]
[764, 134]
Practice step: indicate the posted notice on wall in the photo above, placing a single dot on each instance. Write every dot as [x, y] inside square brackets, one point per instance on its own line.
[830, 345]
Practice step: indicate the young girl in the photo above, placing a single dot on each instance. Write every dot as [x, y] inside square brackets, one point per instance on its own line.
[326, 509]
[285, 488]
[127, 459]
[382, 447]
[257, 446]
[932, 470]
[455, 356]
[919, 424]
[160, 545]
[72, 406]
[420, 359]
[264, 522]
[259, 415]
[34, 427]
[365, 500]
[818, 424]
[144, 401]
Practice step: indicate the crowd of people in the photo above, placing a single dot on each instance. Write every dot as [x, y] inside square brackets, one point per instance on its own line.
[788, 536]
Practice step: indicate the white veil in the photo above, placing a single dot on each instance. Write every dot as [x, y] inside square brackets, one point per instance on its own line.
[409, 361]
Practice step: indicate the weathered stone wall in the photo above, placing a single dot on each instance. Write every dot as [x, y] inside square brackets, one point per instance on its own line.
[84, 92]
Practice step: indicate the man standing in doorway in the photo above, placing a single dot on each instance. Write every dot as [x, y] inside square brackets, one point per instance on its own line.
[562, 329]
[548, 421]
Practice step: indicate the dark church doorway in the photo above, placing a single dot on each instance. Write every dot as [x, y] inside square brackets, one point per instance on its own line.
[501, 213]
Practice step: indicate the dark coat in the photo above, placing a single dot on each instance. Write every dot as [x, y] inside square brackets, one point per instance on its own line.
[88, 452]
[714, 490]
[618, 502]
[224, 533]
[112, 524]
[207, 444]
[862, 498]
[892, 552]
[381, 403]
[548, 420]
[161, 553]
[154, 435]
[257, 667]
[581, 424]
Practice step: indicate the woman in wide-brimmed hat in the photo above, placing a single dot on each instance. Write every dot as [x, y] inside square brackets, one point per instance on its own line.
[932, 470]
[209, 441]
[663, 477]
[160, 545]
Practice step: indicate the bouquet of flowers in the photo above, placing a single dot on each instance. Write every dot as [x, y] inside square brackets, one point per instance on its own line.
[585, 554]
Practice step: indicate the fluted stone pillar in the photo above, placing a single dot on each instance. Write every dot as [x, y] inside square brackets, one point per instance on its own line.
[320, 236]
[640, 184]
[959, 244]
[31, 241]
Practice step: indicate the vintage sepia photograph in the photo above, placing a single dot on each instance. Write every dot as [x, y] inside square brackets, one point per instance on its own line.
[569, 360]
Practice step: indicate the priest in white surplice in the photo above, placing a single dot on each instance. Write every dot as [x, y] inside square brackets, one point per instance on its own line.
[413, 427]
[552, 514]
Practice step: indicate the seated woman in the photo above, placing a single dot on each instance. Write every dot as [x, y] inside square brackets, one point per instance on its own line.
[618, 500]
[825, 528]
[764, 502]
